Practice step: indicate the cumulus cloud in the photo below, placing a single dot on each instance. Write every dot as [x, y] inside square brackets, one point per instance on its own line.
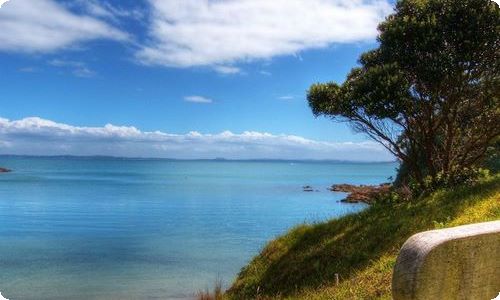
[210, 33]
[198, 99]
[190, 33]
[39, 26]
[36, 136]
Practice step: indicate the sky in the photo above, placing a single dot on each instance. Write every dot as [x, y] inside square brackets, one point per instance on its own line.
[180, 78]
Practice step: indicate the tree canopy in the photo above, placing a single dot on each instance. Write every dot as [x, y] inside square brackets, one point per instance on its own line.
[430, 92]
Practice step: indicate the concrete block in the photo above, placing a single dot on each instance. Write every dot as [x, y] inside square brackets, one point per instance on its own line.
[454, 263]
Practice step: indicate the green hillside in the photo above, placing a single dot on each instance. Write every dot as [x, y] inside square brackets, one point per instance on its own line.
[361, 248]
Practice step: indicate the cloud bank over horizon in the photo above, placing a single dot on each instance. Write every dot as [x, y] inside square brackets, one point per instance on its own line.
[37, 136]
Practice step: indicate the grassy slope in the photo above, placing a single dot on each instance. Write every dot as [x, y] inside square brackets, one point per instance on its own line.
[362, 248]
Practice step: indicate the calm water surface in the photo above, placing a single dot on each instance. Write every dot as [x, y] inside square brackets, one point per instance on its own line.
[81, 228]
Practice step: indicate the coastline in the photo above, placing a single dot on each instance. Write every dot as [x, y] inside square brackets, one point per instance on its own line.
[360, 248]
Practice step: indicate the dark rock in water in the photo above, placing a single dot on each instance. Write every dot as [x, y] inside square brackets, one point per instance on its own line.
[4, 170]
[350, 200]
[308, 188]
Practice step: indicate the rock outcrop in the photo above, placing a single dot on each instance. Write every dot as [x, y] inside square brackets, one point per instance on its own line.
[361, 193]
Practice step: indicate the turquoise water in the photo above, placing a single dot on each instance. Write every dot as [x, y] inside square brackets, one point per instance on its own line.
[81, 228]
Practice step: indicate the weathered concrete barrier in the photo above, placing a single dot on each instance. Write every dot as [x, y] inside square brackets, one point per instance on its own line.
[455, 263]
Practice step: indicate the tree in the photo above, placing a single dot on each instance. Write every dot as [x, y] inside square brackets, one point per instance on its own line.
[430, 92]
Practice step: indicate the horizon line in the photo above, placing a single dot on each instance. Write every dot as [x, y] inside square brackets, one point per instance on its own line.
[195, 159]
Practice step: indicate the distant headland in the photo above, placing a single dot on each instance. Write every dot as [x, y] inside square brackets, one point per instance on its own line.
[5, 170]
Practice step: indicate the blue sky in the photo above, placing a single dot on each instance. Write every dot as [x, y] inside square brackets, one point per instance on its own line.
[225, 78]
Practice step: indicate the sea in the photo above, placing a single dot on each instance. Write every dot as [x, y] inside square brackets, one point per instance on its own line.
[116, 228]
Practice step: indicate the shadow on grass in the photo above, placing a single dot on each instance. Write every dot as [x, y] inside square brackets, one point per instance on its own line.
[309, 256]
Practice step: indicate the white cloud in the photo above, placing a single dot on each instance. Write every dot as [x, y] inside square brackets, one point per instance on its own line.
[227, 70]
[39, 26]
[198, 99]
[286, 97]
[2, 2]
[104, 9]
[210, 33]
[217, 34]
[28, 70]
[78, 68]
[83, 72]
[36, 136]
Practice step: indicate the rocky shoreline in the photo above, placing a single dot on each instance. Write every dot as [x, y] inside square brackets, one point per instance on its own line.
[4, 170]
[361, 193]
[357, 193]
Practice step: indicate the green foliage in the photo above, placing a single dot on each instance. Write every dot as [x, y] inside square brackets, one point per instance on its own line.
[493, 157]
[361, 248]
[465, 176]
[430, 92]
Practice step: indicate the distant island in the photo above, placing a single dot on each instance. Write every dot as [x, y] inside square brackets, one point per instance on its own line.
[4, 170]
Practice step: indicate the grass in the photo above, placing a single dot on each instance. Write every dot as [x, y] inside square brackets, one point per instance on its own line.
[217, 293]
[360, 248]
